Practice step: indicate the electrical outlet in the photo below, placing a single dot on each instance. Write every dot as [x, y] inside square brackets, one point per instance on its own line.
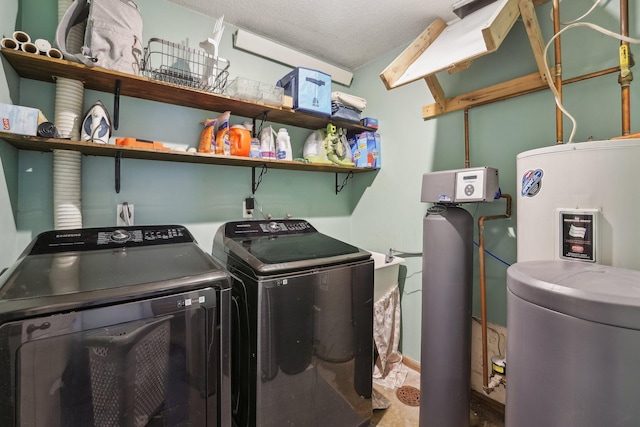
[124, 214]
[246, 213]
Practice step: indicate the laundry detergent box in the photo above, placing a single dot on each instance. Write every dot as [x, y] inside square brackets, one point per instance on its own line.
[367, 146]
[310, 89]
[359, 152]
[20, 120]
[375, 150]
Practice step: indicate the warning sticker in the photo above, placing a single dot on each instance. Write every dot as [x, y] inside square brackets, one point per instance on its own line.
[577, 236]
[531, 183]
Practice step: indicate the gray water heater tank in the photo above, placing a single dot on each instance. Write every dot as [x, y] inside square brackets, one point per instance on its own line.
[573, 350]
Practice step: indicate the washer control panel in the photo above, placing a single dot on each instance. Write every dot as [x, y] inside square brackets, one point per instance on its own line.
[242, 229]
[461, 186]
[85, 239]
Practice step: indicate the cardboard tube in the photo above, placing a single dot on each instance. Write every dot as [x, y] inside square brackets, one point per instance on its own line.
[9, 43]
[29, 47]
[54, 53]
[21, 37]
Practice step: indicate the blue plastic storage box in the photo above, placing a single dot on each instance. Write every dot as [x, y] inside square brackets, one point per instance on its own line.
[310, 90]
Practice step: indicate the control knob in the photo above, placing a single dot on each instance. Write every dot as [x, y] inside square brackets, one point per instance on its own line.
[120, 235]
[274, 226]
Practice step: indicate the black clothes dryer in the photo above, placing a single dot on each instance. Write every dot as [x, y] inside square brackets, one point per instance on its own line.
[302, 314]
[115, 327]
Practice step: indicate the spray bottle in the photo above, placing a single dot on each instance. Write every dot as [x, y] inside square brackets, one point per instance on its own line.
[284, 145]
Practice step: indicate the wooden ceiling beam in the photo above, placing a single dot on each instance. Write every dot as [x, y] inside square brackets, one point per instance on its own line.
[530, 19]
[399, 66]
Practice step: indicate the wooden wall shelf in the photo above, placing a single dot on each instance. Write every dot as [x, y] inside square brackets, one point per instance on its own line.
[24, 142]
[38, 67]
[43, 68]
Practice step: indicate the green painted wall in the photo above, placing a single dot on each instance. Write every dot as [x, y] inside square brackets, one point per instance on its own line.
[199, 196]
[376, 211]
[389, 213]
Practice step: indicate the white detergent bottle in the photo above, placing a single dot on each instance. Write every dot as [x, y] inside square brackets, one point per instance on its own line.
[267, 143]
[284, 145]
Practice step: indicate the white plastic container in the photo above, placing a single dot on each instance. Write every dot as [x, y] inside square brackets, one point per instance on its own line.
[385, 274]
[283, 142]
[267, 143]
[251, 90]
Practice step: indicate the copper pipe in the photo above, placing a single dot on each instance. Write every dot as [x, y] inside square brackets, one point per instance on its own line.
[466, 138]
[483, 290]
[558, 68]
[625, 72]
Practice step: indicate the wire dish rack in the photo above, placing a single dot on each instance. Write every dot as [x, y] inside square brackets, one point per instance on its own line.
[181, 65]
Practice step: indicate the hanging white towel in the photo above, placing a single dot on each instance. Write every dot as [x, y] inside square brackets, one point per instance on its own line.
[389, 370]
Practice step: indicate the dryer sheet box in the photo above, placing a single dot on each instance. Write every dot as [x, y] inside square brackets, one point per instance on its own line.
[20, 120]
[310, 89]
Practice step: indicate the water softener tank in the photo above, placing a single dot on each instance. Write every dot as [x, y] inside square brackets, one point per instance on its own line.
[447, 282]
[573, 352]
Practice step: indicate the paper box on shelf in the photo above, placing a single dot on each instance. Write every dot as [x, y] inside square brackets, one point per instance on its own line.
[366, 150]
[375, 150]
[310, 89]
[370, 122]
[20, 120]
[359, 150]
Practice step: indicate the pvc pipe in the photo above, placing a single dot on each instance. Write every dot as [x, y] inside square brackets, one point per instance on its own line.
[29, 47]
[10, 43]
[21, 37]
[54, 53]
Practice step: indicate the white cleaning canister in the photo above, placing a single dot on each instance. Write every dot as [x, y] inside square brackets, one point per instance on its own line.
[267, 144]
[284, 145]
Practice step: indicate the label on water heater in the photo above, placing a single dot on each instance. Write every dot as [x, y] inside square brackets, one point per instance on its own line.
[578, 234]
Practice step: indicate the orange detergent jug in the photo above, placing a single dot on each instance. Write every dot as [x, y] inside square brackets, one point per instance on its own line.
[240, 140]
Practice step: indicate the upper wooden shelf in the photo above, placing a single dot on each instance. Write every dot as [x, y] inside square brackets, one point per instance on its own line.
[34, 143]
[43, 68]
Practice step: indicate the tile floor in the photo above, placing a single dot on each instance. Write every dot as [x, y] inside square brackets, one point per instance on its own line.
[399, 414]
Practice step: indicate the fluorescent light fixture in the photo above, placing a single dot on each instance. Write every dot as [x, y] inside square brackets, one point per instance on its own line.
[271, 50]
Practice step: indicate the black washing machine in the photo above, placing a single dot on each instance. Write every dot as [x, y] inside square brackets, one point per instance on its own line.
[303, 325]
[115, 327]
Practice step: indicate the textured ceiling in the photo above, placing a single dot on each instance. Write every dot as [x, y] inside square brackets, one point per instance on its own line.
[346, 33]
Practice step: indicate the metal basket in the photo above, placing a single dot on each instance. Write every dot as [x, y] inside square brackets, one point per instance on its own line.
[181, 65]
[129, 367]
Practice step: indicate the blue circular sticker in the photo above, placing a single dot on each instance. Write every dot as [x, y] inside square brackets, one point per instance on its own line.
[531, 183]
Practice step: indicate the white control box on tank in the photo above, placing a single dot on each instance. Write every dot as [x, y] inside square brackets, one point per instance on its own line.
[469, 185]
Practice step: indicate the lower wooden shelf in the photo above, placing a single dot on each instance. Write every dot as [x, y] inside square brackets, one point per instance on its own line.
[34, 143]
